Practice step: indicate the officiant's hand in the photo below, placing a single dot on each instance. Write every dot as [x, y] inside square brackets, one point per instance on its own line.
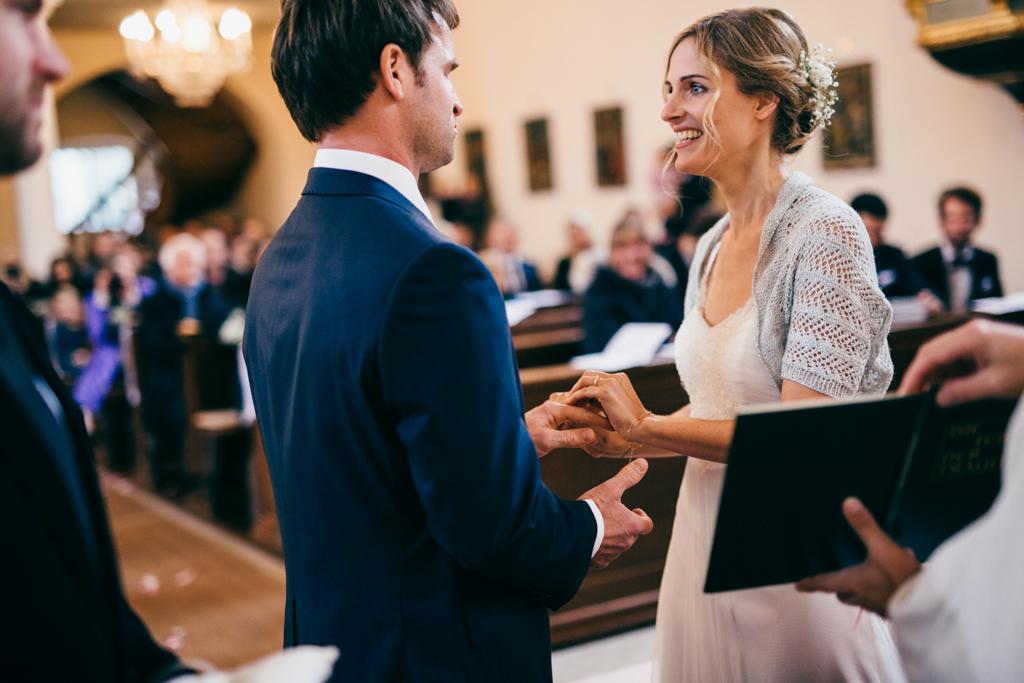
[621, 526]
[871, 583]
[556, 425]
[982, 359]
[616, 395]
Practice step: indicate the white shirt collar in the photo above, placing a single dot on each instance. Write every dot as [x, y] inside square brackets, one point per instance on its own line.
[386, 170]
[949, 252]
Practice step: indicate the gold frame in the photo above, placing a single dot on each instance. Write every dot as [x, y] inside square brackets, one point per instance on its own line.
[998, 24]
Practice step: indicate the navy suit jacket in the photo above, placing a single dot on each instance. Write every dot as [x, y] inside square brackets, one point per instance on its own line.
[418, 535]
[984, 274]
[64, 615]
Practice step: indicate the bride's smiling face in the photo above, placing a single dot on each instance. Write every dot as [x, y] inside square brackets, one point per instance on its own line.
[715, 125]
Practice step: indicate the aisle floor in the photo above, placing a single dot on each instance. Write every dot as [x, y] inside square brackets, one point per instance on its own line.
[213, 596]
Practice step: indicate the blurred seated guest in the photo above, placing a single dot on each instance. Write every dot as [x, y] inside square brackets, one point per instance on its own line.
[897, 275]
[957, 271]
[102, 246]
[12, 274]
[63, 272]
[217, 256]
[67, 336]
[471, 208]
[183, 304]
[512, 272]
[241, 262]
[576, 271]
[658, 263]
[679, 250]
[627, 290]
[109, 384]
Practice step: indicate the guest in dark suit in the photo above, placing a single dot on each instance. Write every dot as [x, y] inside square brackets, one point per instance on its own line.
[627, 290]
[897, 275]
[513, 273]
[418, 535]
[65, 617]
[957, 271]
[184, 304]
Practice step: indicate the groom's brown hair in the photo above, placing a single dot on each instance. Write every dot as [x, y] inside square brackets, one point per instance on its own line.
[326, 53]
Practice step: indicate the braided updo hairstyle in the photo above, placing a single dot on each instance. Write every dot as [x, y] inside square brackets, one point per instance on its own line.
[761, 46]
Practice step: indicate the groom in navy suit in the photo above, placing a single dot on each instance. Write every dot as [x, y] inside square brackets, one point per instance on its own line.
[418, 535]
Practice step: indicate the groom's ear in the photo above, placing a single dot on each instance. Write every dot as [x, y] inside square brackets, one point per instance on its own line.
[396, 72]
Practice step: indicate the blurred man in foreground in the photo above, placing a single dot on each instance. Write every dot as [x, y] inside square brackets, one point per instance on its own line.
[65, 617]
[958, 617]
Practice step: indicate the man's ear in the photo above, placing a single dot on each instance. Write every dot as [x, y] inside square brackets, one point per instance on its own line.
[767, 103]
[396, 73]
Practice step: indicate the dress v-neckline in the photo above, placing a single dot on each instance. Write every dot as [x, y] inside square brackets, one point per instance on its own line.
[726, 319]
[702, 300]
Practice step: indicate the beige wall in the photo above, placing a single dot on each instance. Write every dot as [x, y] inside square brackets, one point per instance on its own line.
[563, 59]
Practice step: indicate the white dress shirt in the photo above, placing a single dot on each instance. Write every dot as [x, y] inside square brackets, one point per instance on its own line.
[959, 277]
[402, 180]
[391, 172]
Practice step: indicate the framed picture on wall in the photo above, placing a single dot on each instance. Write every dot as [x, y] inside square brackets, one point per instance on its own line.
[538, 155]
[611, 148]
[476, 160]
[850, 137]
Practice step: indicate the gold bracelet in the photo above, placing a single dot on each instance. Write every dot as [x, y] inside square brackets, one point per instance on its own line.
[629, 430]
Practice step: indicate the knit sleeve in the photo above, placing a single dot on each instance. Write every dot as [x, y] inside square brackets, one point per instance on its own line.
[836, 342]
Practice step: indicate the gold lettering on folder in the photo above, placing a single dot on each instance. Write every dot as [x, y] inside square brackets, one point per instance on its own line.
[969, 449]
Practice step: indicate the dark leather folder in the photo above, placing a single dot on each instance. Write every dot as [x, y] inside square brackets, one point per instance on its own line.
[925, 472]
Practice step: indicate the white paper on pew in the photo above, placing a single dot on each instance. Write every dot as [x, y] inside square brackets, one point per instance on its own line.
[526, 304]
[545, 298]
[519, 310]
[1010, 303]
[667, 351]
[907, 310]
[633, 346]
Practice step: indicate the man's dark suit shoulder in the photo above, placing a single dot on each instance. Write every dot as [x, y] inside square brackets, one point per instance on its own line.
[68, 619]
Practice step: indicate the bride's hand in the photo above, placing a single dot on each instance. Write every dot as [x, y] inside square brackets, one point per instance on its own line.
[607, 442]
[616, 395]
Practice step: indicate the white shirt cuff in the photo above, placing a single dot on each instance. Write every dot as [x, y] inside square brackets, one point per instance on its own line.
[600, 526]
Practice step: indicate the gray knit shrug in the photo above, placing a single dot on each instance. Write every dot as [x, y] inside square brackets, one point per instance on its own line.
[822, 320]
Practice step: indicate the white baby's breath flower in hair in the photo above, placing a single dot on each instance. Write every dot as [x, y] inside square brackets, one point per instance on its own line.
[820, 75]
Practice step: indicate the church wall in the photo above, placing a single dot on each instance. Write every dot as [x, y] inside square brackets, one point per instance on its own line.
[561, 60]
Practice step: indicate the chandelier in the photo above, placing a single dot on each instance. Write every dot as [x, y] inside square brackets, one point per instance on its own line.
[186, 51]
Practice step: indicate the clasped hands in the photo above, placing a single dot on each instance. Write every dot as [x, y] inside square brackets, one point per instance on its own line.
[577, 420]
[601, 411]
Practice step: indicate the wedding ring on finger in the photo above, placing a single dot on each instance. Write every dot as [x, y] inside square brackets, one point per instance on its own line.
[597, 378]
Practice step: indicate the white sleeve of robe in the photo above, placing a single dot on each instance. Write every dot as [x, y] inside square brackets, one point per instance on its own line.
[961, 619]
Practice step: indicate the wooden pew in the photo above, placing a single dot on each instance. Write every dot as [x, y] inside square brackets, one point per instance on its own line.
[550, 336]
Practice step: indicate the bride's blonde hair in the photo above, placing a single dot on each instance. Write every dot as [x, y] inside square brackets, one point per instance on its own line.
[761, 46]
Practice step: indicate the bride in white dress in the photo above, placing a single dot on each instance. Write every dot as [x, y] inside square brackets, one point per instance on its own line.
[782, 304]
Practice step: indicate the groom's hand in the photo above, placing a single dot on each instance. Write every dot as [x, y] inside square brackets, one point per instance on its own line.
[555, 425]
[621, 526]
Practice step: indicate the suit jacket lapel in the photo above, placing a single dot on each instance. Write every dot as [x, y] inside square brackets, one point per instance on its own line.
[38, 474]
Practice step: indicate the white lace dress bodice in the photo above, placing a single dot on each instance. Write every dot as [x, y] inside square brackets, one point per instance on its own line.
[762, 635]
